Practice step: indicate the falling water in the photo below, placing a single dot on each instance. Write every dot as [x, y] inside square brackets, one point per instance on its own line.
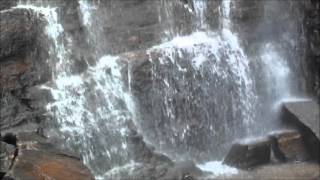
[201, 83]
[203, 94]
[200, 12]
[92, 108]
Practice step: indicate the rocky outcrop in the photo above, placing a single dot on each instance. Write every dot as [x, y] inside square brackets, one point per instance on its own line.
[246, 155]
[22, 67]
[312, 60]
[304, 115]
[39, 158]
[7, 155]
[279, 147]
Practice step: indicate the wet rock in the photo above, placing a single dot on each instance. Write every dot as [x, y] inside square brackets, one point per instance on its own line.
[5, 4]
[289, 146]
[186, 170]
[19, 28]
[305, 116]
[292, 171]
[249, 154]
[7, 155]
[39, 159]
[303, 113]
[144, 153]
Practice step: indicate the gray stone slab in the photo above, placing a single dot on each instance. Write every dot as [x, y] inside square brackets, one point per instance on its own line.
[307, 112]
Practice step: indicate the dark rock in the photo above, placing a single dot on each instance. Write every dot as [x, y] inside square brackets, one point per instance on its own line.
[186, 170]
[250, 154]
[143, 152]
[10, 138]
[7, 155]
[304, 116]
[289, 146]
[292, 171]
[19, 28]
[7, 4]
[304, 113]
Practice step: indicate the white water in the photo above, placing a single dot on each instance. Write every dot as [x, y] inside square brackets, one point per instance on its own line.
[91, 108]
[95, 102]
[217, 168]
[200, 7]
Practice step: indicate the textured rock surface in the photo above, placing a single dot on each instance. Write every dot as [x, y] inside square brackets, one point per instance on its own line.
[22, 67]
[294, 171]
[312, 60]
[247, 155]
[306, 113]
[40, 159]
[7, 155]
[289, 147]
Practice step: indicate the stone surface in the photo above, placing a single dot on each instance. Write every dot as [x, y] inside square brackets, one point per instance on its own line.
[22, 67]
[249, 154]
[40, 159]
[291, 146]
[292, 171]
[306, 113]
[311, 63]
[7, 155]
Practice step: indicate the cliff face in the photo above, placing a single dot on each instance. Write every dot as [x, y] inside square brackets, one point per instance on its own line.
[130, 28]
[312, 60]
[23, 56]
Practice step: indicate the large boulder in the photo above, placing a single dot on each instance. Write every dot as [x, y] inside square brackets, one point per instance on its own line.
[38, 158]
[23, 51]
[249, 154]
[303, 113]
[18, 32]
[305, 116]
[289, 146]
[283, 146]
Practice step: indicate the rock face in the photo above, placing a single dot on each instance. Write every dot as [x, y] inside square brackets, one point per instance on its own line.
[22, 53]
[289, 146]
[305, 117]
[305, 113]
[312, 59]
[284, 146]
[38, 158]
[248, 155]
[7, 154]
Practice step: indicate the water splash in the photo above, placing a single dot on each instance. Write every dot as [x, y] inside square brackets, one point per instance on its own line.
[201, 66]
[217, 168]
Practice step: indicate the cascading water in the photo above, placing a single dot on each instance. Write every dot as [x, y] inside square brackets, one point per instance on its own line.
[202, 88]
[92, 108]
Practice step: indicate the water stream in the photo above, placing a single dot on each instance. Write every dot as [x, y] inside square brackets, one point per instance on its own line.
[203, 90]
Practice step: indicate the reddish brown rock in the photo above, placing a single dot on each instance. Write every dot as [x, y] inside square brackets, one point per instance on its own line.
[39, 159]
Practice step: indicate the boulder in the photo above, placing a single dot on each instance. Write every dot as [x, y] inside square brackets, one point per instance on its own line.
[249, 154]
[7, 155]
[305, 116]
[18, 32]
[289, 146]
[5, 4]
[39, 159]
[303, 113]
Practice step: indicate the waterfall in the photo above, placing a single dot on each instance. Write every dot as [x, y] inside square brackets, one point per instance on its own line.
[202, 90]
[200, 13]
[92, 109]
